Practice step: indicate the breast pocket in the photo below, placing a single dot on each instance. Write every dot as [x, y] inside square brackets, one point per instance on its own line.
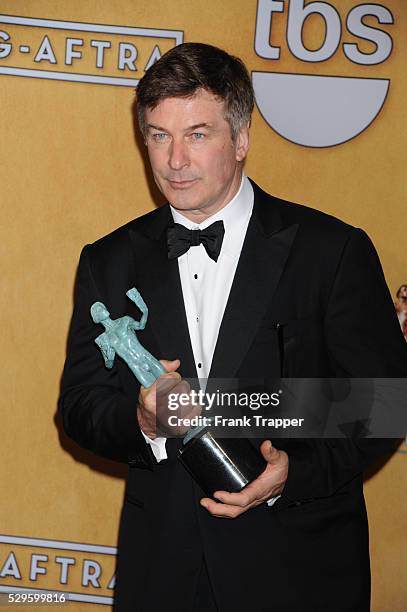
[299, 341]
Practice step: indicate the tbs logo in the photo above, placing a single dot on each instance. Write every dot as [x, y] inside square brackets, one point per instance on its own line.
[317, 110]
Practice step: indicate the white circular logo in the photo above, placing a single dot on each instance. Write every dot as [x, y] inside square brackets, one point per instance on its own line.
[319, 110]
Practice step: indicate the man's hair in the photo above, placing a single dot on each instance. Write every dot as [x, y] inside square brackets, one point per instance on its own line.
[185, 69]
[399, 290]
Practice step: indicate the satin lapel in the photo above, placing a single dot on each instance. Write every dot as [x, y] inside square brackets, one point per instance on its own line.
[261, 264]
[159, 283]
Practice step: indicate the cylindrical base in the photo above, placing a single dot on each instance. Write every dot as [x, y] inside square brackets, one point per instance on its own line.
[221, 464]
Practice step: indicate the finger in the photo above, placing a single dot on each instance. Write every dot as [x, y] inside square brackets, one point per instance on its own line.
[161, 385]
[182, 386]
[170, 365]
[169, 376]
[220, 510]
[251, 493]
[178, 388]
[166, 382]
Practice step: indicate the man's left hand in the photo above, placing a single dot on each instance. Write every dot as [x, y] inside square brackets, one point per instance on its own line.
[269, 484]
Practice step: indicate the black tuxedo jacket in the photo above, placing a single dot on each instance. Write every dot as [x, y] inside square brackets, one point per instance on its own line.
[321, 281]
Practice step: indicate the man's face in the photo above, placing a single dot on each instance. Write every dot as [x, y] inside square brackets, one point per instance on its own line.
[195, 163]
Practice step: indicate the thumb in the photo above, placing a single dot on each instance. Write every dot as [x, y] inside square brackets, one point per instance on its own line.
[170, 366]
[268, 451]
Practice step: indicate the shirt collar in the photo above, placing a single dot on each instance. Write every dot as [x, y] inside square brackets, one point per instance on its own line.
[234, 215]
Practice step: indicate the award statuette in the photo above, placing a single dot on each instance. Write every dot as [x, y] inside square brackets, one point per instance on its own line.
[217, 464]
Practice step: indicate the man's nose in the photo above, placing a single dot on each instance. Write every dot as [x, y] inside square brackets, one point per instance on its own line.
[178, 155]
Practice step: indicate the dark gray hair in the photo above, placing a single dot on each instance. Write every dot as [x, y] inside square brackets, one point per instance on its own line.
[185, 69]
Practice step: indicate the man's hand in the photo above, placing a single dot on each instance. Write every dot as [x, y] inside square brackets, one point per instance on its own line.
[152, 409]
[269, 484]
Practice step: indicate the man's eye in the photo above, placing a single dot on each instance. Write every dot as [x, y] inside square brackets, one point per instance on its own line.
[197, 136]
[159, 136]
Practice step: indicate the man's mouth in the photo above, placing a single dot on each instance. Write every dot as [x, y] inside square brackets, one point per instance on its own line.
[181, 184]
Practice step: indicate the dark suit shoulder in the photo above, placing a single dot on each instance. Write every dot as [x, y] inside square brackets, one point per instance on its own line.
[119, 241]
[310, 219]
[122, 232]
[111, 259]
[313, 218]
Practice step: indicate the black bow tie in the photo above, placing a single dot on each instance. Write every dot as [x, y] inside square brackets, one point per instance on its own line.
[180, 239]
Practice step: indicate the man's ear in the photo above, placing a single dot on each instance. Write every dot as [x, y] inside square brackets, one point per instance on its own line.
[242, 143]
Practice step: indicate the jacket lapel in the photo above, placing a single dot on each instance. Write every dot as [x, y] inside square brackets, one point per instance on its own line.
[159, 283]
[264, 254]
[261, 264]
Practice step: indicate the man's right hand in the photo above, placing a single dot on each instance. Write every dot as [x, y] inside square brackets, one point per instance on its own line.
[152, 410]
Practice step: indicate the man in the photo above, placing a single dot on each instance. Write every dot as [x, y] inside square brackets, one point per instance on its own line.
[285, 295]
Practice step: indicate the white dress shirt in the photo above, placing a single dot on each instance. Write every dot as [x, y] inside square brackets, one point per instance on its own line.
[206, 284]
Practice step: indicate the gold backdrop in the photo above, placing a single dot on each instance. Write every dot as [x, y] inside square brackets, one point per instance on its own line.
[70, 172]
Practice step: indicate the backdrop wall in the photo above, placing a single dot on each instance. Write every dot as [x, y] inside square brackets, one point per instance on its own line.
[71, 170]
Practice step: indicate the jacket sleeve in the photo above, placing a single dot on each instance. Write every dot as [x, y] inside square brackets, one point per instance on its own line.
[364, 340]
[94, 408]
